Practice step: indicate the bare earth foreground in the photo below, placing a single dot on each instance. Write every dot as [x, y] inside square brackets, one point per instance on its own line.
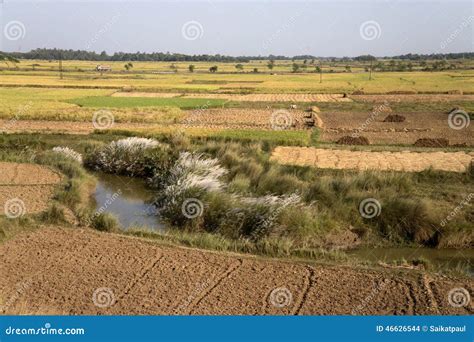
[363, 160]
[75, 271]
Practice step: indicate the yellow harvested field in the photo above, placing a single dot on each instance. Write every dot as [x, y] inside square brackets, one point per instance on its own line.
[362, 160]
[247, 97]
[245, 118]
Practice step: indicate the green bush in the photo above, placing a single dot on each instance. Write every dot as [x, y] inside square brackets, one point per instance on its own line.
[104, 222]
[54, 214]
[407, 219]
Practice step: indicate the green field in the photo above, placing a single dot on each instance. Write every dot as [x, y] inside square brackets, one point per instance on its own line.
[130, 102]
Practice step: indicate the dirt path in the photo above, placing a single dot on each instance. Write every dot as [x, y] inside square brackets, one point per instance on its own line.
[363, 160]
[73, 271]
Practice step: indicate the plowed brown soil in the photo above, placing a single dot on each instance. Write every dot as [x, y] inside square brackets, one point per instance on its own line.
[29, 185]
[372, 126]
[363, 160]
[58, 271]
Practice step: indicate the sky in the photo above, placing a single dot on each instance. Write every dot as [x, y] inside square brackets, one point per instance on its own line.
[238, 28]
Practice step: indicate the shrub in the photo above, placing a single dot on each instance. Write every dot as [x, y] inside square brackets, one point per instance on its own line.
[276, 182]
[54, 214]
[240, 184]
[68, 153]
[104, 222]
[320, 193]
[191, 177]
[406, 219]
[136, 157]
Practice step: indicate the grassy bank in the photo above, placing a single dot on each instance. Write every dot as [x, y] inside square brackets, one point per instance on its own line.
[249, 214]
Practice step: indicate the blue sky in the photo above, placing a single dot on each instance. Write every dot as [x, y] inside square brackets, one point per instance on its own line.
[320, 28]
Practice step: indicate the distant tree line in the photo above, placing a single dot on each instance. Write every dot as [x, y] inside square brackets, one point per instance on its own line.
[53, 54]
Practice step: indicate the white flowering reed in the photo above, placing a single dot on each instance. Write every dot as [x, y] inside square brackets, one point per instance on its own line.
[68, 153]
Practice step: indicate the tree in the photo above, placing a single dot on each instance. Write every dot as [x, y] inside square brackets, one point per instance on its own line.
[191, 68]
[213, 69]
[295, 67]
[348, 68]
[239, 67]
[319, 68]
[271, 64]
[128, 66]
[255, 70]
[365, 58]
[6, 58]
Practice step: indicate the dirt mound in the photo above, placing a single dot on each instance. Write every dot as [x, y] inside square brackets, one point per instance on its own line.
[395, 118]
[117, 275]
[349, 140]
[431, 142]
